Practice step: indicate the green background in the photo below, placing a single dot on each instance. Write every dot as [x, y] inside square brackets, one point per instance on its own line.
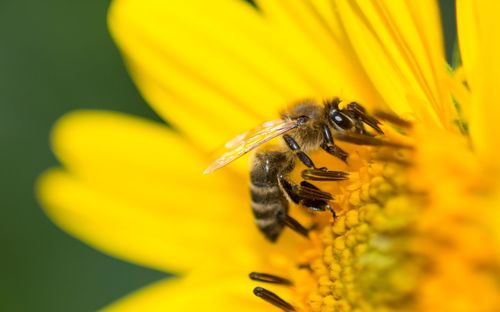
[57, 56]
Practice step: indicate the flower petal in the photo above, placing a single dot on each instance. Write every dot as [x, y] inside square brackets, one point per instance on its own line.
[220, 67]
[468, 35]
[114, 144]
[480, 48]
[139, 233]
[399, 43]
[311, 30]
[195, 293]
[136, 191]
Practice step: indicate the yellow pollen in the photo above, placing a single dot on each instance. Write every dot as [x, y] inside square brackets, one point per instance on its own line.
[366, 262]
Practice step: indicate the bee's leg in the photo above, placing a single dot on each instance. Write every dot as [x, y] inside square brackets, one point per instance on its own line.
[314, 203]
[294, 146]
[269, 278]
[329, 146]
[361, 116]
[354, 113]
[302, 191]
[324, 175]
[273, 299]
[307, 195]
[360, 127]
[295, 225]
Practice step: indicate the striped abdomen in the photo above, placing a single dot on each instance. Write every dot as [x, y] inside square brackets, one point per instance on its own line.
[269, 204]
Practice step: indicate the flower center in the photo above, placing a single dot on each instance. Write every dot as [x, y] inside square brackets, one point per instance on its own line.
[366, 261]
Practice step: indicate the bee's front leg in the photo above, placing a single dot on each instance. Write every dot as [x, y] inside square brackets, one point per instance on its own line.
[301, 155]
[329, 146]
[360, 115]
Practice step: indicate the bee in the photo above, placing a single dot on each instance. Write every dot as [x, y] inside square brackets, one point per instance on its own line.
[304, 127]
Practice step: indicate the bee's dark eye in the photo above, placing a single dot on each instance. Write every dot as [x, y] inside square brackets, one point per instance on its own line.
[341, 120]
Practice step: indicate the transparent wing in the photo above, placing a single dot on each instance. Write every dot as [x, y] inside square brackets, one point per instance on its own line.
[247, 141]
[242, 137]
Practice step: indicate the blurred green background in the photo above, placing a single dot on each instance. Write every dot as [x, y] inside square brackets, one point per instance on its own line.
[57, 56]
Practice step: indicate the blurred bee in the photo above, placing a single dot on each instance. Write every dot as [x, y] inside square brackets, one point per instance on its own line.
[304, 127]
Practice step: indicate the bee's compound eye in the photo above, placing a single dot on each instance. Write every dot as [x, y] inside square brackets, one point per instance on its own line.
[341, 120]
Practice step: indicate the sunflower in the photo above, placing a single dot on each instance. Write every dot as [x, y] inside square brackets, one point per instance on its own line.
[417, 221]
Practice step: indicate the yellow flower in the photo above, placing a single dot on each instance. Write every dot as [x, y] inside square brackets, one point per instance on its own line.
[416, 228]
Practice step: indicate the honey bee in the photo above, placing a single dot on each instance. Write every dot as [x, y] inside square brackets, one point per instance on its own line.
[306, 126]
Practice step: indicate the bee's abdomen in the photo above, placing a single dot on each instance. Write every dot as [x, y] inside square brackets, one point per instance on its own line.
[269, 204]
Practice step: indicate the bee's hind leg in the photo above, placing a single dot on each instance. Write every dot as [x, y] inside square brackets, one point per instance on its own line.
[314, 203]
[307, 195]
[294, 225]
[324, 175]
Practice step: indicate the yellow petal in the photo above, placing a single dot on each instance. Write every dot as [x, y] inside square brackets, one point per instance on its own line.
[105, 145]
[142, 234]
[194, 293]
[399, 43]
[217, 68]
[136, 191]
[211, 61]
[317, 40]
[480, 47]
[468, 35]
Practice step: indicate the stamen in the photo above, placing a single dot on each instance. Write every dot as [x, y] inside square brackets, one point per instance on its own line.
[295, 225]
[273, 299]
[269, 278]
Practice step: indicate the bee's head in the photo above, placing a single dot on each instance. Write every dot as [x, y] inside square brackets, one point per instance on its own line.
[338, 119]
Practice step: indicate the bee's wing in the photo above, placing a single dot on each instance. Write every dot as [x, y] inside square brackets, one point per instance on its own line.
[242, 137]
[247, 141]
